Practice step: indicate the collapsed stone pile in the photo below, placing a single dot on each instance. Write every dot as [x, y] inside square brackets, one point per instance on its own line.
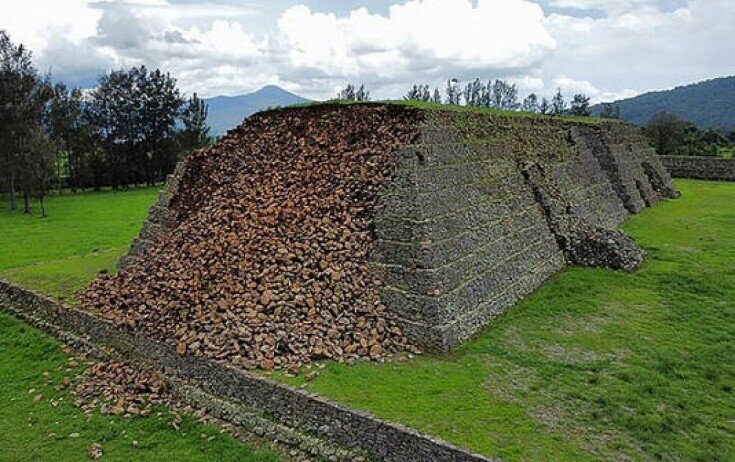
[606, 248]
[267, 263]
[119, 389]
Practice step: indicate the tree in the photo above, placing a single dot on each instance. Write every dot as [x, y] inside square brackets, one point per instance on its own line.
[353, 93]
[504, 96]
[413, 94]
[112, 112]
[418, 93]
[580, 105]
[473, 93]
[134, 114]
[70, 131]
[454, 92]
[545, 106]
[530, 103]
[666, 133]
[437, 98]
[159, 111]
[20, 108]
[558, 103]
[610, 111]
[195, 134]
[39, 168]
[362, 94]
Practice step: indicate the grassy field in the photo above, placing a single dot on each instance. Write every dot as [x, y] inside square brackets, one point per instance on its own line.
[82, 235]
[38, 423]
[595, 365]
[59, 255]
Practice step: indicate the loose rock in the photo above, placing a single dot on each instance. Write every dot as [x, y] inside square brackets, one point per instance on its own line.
[267, 263]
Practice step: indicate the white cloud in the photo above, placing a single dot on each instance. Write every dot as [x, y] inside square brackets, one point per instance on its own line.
[434, 35]
[570, 87]
[29, 21]
[529, 84]
[610, 6]
[646, 47]
[605, 48]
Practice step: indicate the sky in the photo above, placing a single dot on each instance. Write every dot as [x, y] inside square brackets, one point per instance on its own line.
[607, 49]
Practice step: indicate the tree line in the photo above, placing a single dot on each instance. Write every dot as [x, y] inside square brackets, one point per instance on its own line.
[494, 94]
[672, 136]
[130, 130]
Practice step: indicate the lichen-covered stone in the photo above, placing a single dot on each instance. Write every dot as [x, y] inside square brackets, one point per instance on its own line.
[702, 168]
[606, 248]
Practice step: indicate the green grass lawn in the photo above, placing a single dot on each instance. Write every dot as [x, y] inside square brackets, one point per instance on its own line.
[82, 235]
[597, 364]
[38, 423]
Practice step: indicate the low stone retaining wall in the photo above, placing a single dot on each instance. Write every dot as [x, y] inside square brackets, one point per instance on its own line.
[310, 422]
[703, 168]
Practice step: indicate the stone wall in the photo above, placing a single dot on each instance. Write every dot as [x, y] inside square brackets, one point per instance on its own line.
[703, 168]
[160, 218]
[312, 423]
[484, 209]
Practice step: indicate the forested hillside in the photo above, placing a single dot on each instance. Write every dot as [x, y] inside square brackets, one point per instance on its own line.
[708, 104]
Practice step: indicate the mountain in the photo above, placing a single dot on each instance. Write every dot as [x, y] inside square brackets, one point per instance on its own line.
[227, 112]
[708, 104]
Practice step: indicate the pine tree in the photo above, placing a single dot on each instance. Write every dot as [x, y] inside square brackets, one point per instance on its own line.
[195, 134]
[353, 93]
[22, 96]
[580, 105]
[558, 104]
[530, 103]
[418, 93]
[473, 93]
[454, 93]
[545, 106]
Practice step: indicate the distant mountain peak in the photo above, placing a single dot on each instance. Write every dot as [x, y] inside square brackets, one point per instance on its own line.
[227, 112]
[272, 88]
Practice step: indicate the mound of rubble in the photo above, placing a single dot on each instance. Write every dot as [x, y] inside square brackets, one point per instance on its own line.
[267, 263]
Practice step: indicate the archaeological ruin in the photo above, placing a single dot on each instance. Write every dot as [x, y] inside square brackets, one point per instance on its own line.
[346, 231]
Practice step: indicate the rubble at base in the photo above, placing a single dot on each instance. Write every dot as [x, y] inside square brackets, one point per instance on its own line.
[119, 389]
[606, 248]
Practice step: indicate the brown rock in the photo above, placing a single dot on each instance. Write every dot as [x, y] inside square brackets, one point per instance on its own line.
[270, 245]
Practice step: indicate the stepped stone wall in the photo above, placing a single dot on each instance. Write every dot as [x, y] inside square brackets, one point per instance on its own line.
[485, 207]
[160, 218]
[703, 168]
